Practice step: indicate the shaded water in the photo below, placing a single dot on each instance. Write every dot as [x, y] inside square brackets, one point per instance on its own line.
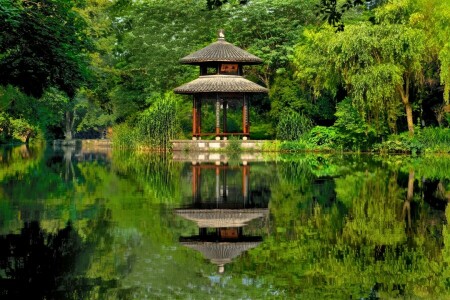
[117, 225]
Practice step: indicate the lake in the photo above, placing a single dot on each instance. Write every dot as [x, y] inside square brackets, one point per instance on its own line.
[102, 224]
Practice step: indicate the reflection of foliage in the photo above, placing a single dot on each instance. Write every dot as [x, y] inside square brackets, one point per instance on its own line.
[46, 265]
[354, 247]
[375, 202]
[335, 230]
[157, 174]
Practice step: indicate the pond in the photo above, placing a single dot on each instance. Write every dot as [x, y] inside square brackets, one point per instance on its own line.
[102, 224]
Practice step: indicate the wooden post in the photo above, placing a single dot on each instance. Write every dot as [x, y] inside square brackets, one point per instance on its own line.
[245, 127]
[194, 118]
[217, 116]
[199, 117]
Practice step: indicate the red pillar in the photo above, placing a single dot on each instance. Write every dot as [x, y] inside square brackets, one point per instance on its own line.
[194, 118]
[245, 127]
[199, 117]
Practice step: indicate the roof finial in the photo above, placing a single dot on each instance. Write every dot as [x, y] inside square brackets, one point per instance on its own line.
[221, 35]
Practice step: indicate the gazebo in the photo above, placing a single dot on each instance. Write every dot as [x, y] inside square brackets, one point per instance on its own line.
[221, 81]
[222, 215]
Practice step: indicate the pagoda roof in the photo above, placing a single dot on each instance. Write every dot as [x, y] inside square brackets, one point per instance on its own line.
[220, 84]
[220, 218]
[221, 51]
[221, 253]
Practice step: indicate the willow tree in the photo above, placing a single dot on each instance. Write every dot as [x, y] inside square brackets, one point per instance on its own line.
[377, 64]
[433, 17]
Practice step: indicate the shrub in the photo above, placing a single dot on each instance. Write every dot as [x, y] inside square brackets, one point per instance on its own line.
[352, 131]
[402, 143]
[322, 136]
[234, 145]
[425, 140]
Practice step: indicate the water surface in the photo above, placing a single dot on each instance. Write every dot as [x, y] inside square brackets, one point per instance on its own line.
[116, 225]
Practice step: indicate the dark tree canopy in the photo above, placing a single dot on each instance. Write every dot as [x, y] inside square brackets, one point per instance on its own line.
[42, 44]
[330, 11]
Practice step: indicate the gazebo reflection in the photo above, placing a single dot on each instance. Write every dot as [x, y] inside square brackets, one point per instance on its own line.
[223, 204]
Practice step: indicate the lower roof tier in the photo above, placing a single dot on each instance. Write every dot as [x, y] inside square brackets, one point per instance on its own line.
[220, 84]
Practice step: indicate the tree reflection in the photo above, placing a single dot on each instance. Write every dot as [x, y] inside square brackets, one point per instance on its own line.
[49, 265]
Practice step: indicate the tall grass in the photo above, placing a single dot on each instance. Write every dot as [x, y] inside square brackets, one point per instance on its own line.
[154, 127]
[125, 136]
[159, 124]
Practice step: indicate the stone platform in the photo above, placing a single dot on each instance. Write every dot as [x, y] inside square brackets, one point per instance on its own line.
[209, 157]
[215, 145]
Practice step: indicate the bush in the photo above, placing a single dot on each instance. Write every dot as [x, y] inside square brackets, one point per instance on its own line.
[234, 145]
[292, 126]
[322, 136]
[425, 140]
[403, 143]
[352, 131]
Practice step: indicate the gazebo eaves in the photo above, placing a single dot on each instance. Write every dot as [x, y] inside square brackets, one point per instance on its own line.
[220, 84]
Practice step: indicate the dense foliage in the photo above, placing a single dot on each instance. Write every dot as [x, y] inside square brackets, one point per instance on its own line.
[68, 68]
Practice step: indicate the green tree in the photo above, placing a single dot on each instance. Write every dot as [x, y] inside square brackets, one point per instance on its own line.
[42, 44]
[378, 64]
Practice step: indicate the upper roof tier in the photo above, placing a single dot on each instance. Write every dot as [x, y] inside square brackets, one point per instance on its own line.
[221, 51]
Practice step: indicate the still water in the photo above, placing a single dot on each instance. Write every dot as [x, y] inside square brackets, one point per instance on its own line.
[101, 224]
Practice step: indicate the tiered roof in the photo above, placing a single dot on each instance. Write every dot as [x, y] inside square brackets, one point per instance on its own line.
[221, 51]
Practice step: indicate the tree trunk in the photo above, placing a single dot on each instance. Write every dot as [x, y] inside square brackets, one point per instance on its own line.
[27, 139]
[68, 131]
[409, 118]
[404, 93]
